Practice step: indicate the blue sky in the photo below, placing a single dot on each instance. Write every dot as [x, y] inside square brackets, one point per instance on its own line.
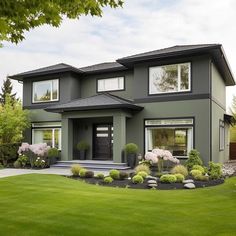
[141, 25]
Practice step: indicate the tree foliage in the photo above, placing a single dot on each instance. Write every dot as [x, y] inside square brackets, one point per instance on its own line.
[13, 121]
[18, 16]
[7, 89]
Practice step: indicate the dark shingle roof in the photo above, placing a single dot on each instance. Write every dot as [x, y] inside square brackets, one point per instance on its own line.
[169, 50]
[106, 66]
[96, 102]
[61, 67]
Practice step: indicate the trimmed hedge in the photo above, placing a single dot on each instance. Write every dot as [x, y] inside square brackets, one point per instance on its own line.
[8, 152]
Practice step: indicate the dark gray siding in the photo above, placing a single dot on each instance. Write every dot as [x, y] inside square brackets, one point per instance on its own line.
[69, 88]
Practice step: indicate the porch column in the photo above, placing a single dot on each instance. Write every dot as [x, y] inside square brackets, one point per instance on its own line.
[66, 139]
[119, 136]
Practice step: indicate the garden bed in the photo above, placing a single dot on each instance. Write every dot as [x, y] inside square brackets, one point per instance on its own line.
[127, 183]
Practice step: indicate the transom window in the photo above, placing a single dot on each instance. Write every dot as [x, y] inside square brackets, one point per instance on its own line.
[49, 133]
[46, 91]
[175, 135]
[110, 84]
[169, 78]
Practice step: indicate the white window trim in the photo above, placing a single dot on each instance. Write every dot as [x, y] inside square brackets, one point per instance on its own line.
[53, 134]
[45, 81]
[188, 126]
[117, 89]
[179, 80]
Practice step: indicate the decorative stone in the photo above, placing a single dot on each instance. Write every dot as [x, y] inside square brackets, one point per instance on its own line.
[190, 186]
[151, 181]
[151, 177]
[188, 181]
[152, 185]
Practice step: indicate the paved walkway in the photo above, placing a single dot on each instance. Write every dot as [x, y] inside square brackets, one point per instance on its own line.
[54, 171]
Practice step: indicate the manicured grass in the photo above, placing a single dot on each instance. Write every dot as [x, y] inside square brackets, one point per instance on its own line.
[53, 205]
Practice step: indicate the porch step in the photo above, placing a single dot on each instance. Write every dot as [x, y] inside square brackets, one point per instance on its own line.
[92, 165]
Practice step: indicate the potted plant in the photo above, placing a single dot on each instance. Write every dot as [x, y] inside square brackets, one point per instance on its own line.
[131, 150]
[82, 146]
[53, 154]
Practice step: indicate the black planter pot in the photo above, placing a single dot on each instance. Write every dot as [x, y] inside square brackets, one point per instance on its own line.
[82, 154]
[131, 160]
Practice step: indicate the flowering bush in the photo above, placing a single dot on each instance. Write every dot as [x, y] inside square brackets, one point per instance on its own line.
[36, 153]
[158, 156]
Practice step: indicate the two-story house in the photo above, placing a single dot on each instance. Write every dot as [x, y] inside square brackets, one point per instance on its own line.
[172, 98]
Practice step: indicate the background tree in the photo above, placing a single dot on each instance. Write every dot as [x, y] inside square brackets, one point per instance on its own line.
[7, 89]
[18, 16]
[13, 121]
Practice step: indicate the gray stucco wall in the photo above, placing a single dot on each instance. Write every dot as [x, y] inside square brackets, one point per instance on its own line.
[199, 109]
[69, 88]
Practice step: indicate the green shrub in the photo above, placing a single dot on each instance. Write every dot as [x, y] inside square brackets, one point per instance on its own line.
[53, 152]
[89, 174]
[168, 178]
[82, 172]
[115, 174]
[123, 175]
[82, 145]
[195, 172]
[137, 179]
[179, 169]
[193, 159]
[198, 167]
[108, 180]
[23, 160]
[131, 148]
[17, 164]
[100, 176]
[1, 166]
[179, 178]
[8, 152]
[75, 169]
[142, 167]
[143, 174]
[201, 177]
[215, 170]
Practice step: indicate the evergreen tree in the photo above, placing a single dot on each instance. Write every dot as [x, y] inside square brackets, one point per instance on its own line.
[7, 89]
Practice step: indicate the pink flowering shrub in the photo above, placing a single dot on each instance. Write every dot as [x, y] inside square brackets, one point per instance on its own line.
[159, 156]
[35, 152]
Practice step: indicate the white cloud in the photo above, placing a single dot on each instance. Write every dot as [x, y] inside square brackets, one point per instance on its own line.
[139, 26]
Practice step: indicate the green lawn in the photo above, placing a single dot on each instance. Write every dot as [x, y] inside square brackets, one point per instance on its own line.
[53, 205]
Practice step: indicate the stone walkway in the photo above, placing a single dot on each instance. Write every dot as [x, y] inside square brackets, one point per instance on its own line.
[54, 171]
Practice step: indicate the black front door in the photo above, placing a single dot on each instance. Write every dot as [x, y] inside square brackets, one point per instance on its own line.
[102, 141]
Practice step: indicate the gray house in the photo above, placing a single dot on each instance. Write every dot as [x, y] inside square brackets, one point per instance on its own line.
[172, 98]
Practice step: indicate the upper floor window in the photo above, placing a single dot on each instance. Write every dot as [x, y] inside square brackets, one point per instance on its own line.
[46, 91]
[110, 84]
[169, 78]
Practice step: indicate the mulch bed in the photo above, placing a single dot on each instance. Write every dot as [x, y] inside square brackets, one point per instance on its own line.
[161, 186]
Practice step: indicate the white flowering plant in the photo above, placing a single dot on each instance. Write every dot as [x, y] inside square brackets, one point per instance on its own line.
[158, 156]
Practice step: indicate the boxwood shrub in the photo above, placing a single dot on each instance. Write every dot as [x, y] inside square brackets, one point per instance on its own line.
[108, 180]
[168, 178]
[143, 174]
[82, 172]
[137, 179]
[179, 178]
[115, 174]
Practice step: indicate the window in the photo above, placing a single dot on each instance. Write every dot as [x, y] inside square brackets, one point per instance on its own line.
[175, 135]
[110, 84]
[49, 133]
[169, 78]
[222, 135]
[46, 91]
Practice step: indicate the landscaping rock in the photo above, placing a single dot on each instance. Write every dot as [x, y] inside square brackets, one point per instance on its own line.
[188, 181]
[190, 186]
[151, 181]
[151, 177]
[152, 185]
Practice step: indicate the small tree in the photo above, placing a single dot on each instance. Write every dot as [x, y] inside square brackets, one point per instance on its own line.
[7, 89]
[13, 121]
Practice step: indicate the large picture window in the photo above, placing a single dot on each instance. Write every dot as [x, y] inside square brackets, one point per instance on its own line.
[46, 91]
[169, 78]
[110, 84]
[49, 133]
[175, 135]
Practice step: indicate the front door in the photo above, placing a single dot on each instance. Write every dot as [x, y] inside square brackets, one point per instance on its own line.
[102, 142]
